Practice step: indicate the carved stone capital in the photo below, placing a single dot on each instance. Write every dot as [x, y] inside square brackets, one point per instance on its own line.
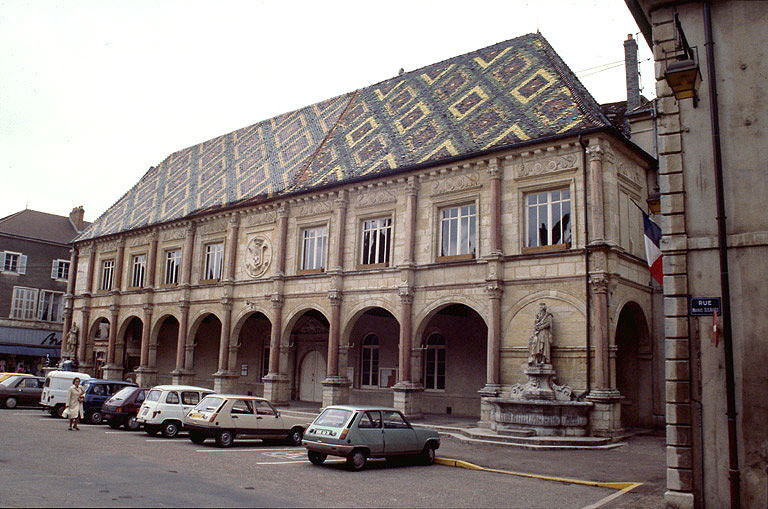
[341, 201]
[412, 187]
[599, 283]
[190, 227]
[148, 308]
[154, 235]
[277, 300]
[282, 210]
[234, 220]
[494, 171]
[494, 288]
[335, 297]
[595, 153]
[184, 305]
[406, 294]
[114, 309]
[226, 303]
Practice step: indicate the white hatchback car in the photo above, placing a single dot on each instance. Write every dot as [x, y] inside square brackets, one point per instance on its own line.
[165, 406]
[226, 416]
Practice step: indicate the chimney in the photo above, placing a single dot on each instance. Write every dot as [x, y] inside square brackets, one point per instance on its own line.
[632, 72]
[76, 218]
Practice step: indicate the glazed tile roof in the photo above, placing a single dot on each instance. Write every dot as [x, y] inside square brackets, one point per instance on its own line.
[507, 94]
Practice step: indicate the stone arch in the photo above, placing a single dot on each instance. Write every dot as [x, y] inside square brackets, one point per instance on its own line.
[246, 313]
[425, 315]
[156, 323]
[206, 337]
[249, 350]
[296, 313]
[128, 348]
[617, 309]
[359, 310]
[163, 349]
[634, 366]
[194, 324]
[576, 302]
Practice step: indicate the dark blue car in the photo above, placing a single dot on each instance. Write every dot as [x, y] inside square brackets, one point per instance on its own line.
[96, 393]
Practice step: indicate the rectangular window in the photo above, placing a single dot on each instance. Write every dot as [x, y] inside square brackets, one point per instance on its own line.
[60, 270]
[549, 218]
[214, 259]
[50, 306]
[107, 271]
[13, 262]
[458, 230]
[172, 264]
[139, 265]
[315, 242]
[265, 360]
[24, 303]
[377, 234]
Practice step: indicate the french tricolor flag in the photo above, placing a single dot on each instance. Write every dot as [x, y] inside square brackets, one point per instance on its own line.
[653, 248]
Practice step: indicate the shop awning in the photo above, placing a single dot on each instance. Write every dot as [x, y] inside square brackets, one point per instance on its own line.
[32, 351]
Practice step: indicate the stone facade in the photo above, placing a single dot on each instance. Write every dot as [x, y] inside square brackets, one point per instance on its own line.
[267, 326]
[697, 427]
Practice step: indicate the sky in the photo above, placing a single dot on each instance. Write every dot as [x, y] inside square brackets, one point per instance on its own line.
[93, 93]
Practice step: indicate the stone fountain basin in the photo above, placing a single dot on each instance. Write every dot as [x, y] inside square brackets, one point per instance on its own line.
[543, 417]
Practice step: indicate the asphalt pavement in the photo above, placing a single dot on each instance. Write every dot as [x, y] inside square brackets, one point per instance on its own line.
[44, 464]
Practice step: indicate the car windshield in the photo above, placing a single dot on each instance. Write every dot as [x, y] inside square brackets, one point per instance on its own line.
[85, 385]
[209, 404]
[122, 394]
[153, 395]
[333, 417]
[8, 382]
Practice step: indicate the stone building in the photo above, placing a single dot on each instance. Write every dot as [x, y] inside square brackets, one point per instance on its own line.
[34, 268]
[390, 245]
[723, 128]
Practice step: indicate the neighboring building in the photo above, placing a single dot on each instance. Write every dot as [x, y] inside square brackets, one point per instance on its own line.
[730, 119]
[390, 245]
[34, 268]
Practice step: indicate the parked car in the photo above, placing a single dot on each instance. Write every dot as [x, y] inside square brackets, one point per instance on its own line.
[165, 406]
[21, 390]
[225, 416]
[57, 383]
[121, 409]
[98, 391]
[361, 432]
[7, 374]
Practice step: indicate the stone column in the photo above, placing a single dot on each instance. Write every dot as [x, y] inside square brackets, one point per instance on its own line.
[91, 269]
[596, 203]
[340, 213]
[152, 260]
[112, 370]
[335, 387]
[117, 285]
[412, 190]
[495, 173]
[82, 345]
[233, 227]
[223, 380]
[179, 375]
[282, 240]
[146, 375]
[605, 419]
[276, 384]
[407, 393]
[186, 254]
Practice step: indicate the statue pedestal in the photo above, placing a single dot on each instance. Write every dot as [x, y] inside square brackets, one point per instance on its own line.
[540, 386]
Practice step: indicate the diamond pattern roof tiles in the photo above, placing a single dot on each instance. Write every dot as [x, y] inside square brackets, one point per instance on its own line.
[495, 97]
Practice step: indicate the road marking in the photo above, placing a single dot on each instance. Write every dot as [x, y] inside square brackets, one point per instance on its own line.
[610, 498]
[114, 432]
[465, 464]
[167, 440]
[294, 462]
[235, 449]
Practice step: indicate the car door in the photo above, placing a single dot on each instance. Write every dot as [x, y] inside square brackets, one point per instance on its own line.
[370, 432]
[399, 437]
[244, 418]
[189, 399]
[268, 420]
[28, 390]
[172, 408]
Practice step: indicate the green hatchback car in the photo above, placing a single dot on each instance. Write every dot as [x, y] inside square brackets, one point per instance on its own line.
[357, 432]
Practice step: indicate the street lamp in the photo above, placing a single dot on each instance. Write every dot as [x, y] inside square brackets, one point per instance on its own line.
[683, 77]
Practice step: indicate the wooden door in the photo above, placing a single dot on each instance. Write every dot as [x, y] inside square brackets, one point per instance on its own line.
[312, 376]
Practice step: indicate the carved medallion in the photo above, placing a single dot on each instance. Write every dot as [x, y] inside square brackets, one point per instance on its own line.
[528, 169]
[453, 184]
[258, 258]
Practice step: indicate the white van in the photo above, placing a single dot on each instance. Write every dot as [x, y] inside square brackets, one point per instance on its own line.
[57, 383]
[165, 406]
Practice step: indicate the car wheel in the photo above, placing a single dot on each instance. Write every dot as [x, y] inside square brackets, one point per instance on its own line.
[132, 424]
[113, 423]
[295, 436]
[96, 417]
[58, 411]
[316, 458]
[225, 438]
[428, 455]
[170, 429]
[356, 460]
[151, 430]
[196, 437]
[10, 402]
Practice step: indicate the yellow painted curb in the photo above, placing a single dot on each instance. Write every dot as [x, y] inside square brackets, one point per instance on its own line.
[625, 486]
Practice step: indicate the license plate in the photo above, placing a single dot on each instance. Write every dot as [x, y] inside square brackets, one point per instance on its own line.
[197, 416]
[325, 432]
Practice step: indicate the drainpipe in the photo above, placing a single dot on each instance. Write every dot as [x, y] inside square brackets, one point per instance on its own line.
[588, 299]
[722, 239]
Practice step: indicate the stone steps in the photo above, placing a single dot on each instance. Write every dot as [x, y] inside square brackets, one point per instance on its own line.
[522, 439]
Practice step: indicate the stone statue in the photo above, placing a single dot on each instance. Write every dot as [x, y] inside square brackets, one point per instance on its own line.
[71, 344]
[541, 339]
[258, 258]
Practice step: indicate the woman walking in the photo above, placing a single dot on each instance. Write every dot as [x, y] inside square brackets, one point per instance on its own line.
[74, 407]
